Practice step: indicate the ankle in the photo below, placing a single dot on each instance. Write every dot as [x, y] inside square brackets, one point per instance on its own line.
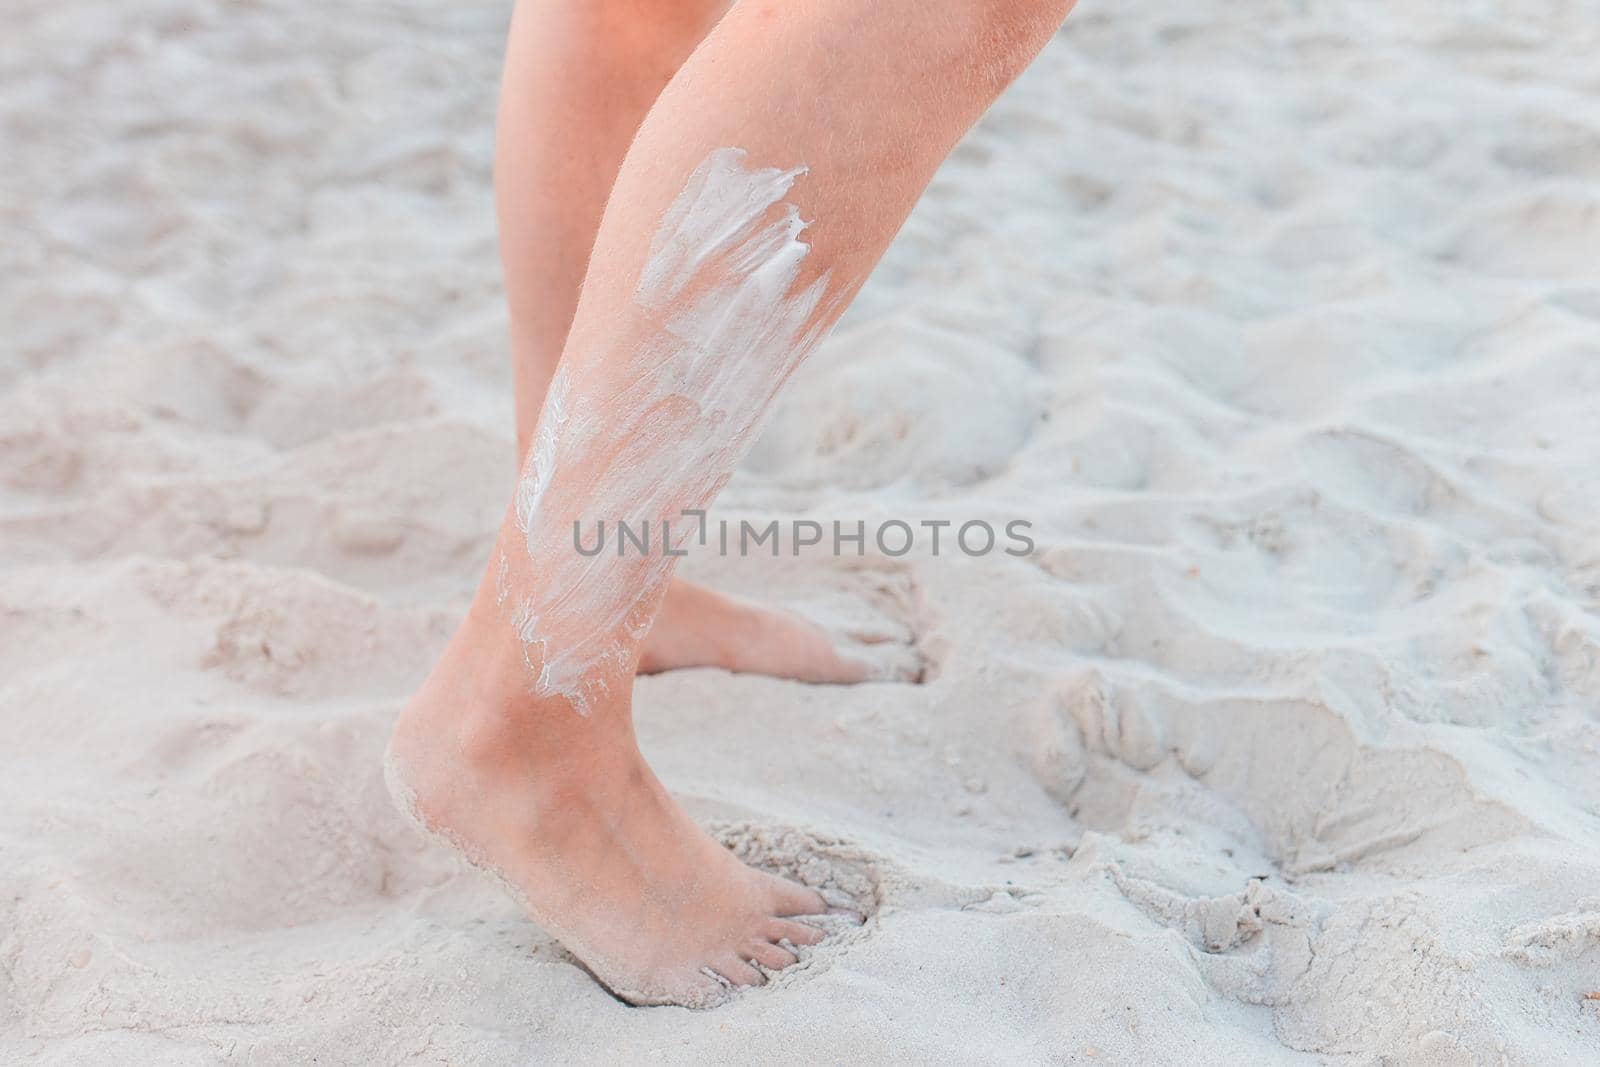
[480, 714]
[716, 623]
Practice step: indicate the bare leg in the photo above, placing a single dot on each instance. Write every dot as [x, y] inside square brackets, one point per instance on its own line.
[579, 77]
[699, 299]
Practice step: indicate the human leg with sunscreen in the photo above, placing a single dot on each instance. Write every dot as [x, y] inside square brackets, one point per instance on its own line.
[764, 185]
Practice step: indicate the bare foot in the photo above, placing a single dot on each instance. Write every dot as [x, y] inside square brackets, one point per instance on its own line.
[699, 627]
[565, 811]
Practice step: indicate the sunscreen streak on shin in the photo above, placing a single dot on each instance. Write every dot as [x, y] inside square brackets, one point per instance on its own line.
[664, 419]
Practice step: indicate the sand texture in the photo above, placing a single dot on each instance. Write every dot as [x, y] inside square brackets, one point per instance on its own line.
[1279, 320]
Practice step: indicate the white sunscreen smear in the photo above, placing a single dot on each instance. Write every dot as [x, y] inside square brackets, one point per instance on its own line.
[662, 421]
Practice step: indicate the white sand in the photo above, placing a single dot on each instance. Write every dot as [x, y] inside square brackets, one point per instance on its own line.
[1278, 319]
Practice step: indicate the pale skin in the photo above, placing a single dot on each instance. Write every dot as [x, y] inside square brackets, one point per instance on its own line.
[579, 78]
[869, 96]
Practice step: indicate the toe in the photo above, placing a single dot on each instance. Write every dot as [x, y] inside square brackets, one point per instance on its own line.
[704, 994]
[773, 957]
[881, 632]
[795, 933]
[738, 971]
[697, 991]
[788, 898]
[849, 670]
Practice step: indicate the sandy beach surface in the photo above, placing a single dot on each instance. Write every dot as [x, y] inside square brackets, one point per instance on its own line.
[1279, 320]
